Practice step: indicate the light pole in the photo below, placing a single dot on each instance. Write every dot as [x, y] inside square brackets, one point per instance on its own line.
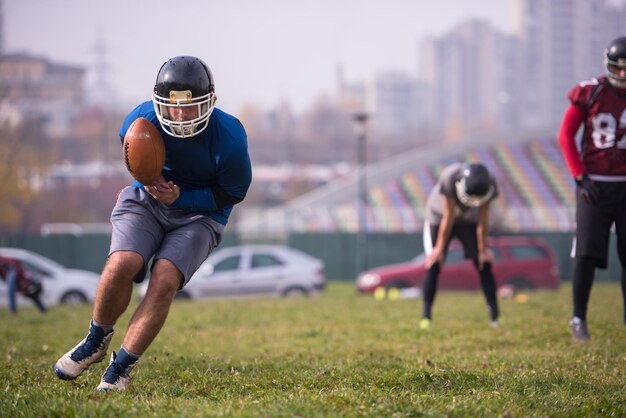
[361, 118]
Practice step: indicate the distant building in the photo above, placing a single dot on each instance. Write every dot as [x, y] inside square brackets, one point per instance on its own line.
[35, 87]
[563, 43]
[396, 104]
[471, 86]
[350, 96]
[485, 82]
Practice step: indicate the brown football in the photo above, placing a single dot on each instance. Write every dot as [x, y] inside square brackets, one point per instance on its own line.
[144, 151]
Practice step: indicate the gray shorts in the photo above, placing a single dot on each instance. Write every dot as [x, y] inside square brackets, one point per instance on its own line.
[146, 226]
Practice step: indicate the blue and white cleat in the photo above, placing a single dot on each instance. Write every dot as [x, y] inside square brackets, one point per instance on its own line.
[115, 377]
[89, 351]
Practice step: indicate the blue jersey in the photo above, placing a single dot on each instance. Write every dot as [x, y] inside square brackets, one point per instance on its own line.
[211, 163]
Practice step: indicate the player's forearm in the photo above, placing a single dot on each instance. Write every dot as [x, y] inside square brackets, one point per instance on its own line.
[230, 189]
[482, 228]
[447, 221]
[481, 237]
[445, 229]
[206, 199]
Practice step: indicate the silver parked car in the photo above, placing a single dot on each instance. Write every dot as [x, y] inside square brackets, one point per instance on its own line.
[60, 284]
[254, 270]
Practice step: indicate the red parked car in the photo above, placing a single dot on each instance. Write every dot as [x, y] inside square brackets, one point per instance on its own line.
[520, 262]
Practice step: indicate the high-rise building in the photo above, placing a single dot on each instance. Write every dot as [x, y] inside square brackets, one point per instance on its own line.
[484, 82]
[393, 97]
[471, 85]
[35, 87]
[563, 43]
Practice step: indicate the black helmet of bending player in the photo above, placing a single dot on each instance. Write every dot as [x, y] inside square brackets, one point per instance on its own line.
[474, 186]
[184, 82]
[615, 60]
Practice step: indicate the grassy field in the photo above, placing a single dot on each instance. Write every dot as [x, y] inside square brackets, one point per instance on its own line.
[339, 354]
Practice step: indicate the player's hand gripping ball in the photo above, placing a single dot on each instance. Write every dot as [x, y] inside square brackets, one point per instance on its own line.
[144, 151]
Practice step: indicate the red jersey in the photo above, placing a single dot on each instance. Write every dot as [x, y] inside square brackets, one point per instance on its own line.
[604, 143]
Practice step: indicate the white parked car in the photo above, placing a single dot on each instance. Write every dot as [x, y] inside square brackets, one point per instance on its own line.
[60, 284]
[254, 270]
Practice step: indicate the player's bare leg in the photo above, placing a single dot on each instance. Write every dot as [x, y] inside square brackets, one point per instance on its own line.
[154, 308]
[116, 286]
[145, 325]
[112, 299]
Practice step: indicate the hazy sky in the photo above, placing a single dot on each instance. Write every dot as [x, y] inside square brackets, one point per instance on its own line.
[260, 51]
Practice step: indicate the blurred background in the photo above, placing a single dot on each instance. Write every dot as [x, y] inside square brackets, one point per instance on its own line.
[351, 108]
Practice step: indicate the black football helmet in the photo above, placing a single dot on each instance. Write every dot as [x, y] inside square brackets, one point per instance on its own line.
[615, 60]
[183, 82]
[474, 186]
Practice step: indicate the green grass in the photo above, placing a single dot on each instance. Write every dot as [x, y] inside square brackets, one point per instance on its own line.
[340, 354]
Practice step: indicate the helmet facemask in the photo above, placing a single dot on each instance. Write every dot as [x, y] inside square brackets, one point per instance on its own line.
[471, 200]
[474, 186]
[613, 69]
[183, 99]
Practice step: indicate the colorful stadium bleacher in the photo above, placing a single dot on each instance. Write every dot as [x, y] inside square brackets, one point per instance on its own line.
[536, 192]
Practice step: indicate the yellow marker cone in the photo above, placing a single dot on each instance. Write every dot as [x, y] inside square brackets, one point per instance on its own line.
[521, 298]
